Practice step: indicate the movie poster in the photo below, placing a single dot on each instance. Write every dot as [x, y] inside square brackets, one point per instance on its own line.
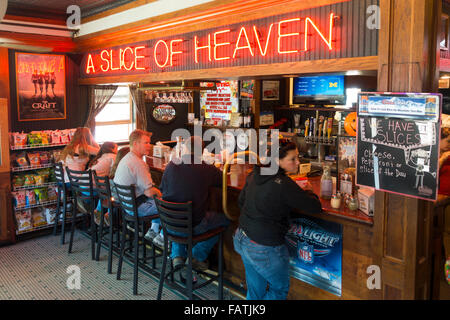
[41, 86]
[315, 250]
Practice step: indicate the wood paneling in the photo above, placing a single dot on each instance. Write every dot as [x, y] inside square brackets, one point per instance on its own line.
[193, 20]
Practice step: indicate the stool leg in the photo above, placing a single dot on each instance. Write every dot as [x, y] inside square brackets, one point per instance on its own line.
[110, 242]
[63, 224]
[93, 235]
[163, 270]
[58, 206]
[122, 250]
[221, 266]
[100, 232]
[189, 272]
[136, 260]
[74, 214]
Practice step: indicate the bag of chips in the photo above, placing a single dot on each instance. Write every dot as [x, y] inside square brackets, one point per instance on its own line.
[44, 157]
[52, 193]
[38, 217]
[39, 179]
[65, 138]
[50, 214]
[34, 139]
[56, 137]
[23, 220]
[31, 198]
[41, 195]
[21, 160]
[29, 180]
[19, 198]
[20, 139]
[18, 181]
[35, 159]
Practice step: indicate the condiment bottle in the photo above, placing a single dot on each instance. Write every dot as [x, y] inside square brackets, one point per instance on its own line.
[326, 184]
[336, 201]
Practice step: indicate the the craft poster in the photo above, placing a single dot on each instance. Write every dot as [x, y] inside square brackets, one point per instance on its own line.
[41, 86]
[219, 104]
[315, 250]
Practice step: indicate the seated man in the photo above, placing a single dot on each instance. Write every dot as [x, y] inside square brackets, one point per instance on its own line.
[190, 181]
[132, 169]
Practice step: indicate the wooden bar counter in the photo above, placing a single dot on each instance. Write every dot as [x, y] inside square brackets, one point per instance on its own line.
[356, 231]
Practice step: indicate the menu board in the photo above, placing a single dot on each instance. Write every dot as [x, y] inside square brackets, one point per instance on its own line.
[219, 104]
[398, 143]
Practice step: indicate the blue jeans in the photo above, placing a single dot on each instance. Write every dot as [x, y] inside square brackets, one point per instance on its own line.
[201, 250]
[264, 266]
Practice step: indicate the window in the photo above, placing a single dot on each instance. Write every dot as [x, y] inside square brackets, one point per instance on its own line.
[114, 122]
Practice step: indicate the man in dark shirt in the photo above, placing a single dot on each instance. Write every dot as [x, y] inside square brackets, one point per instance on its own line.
[190, 181]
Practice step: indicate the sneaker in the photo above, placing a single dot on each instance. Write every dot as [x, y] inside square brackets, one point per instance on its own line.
[158, 241]
[97, 217]
[200, 265]
[150, 235]
[183, 275]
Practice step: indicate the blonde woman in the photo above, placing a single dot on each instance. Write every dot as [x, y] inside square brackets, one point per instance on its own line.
[76, 154]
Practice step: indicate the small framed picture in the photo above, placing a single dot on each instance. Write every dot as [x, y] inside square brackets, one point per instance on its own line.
[444, 32]
[271, 90]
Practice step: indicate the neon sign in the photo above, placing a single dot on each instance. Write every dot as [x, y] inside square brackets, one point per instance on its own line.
[291, 37]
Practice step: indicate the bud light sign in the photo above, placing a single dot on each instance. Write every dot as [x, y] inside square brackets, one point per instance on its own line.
[315, 249]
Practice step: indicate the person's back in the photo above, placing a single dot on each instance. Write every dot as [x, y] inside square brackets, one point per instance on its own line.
[131, 171]
[190, 182]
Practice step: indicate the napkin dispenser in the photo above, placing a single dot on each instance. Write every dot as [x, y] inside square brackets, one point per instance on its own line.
[160, 150]
[366, 197]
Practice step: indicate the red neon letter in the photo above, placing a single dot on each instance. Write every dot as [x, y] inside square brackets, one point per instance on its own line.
[123, 59]
[220, 44]
[90, 64]
[237, 43]
[106, 60]
[263, 53]
[167, 53]
[111, 58]
[174, 52]
[280, 35]
[330, 34]
[136, 57]
[204, 47]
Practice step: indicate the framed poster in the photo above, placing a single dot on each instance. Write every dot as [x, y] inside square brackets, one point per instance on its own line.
[247, 89]
[346, 164]
[41, 86]
[315, 253]
[271, 90]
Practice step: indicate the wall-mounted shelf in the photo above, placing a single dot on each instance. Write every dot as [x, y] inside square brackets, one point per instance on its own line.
[36, 146]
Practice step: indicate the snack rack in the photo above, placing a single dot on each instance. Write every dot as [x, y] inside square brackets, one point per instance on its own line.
[43, 221]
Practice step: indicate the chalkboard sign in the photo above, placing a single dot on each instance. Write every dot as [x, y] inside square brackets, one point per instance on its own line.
[398, 143]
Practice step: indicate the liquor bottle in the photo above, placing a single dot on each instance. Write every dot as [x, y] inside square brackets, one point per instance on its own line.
[251, 118]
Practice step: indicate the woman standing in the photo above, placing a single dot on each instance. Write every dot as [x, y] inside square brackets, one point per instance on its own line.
[266, 203]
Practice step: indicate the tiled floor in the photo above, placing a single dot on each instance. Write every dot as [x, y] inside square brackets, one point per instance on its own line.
[40, 269]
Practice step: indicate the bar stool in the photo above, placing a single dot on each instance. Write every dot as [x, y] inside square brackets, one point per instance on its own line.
[83, 193]
[177, 217]
[64, 192]
[127, 199]
[103, 189]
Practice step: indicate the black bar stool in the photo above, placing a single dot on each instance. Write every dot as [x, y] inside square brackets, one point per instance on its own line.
[103, 189]
[83, 194]
[127, 199]
[64, 192]
[177, 217]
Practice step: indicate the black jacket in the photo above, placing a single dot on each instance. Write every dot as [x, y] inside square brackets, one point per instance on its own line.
[266, 204]
[190, 182]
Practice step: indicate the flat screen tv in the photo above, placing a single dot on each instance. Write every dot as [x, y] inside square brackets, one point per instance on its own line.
[319, 90]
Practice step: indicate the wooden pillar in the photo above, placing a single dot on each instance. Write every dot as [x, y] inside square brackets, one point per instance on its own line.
[6, 221]
[408, 62]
